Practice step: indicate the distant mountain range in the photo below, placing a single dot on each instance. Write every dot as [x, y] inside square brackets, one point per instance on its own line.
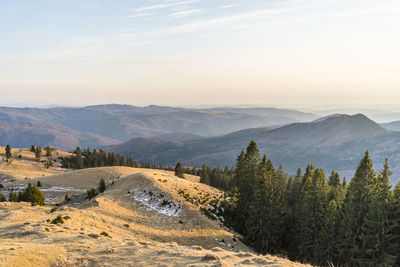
[102, 125]
[215, 136]
[333, 142]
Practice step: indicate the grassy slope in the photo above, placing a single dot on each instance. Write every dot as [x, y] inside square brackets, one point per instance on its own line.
[140, 235]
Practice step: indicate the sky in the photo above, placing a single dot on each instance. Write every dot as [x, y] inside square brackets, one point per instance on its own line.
[282, 53]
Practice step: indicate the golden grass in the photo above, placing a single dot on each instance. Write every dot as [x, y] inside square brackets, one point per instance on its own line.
[138, 236]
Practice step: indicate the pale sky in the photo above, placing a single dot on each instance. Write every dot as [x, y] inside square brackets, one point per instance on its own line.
[284, 53]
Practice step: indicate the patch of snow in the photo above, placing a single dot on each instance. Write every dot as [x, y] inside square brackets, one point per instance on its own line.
[153, 201]
[60, 189]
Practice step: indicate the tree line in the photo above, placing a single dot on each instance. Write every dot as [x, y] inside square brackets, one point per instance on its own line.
[310, 217]
[30, 194]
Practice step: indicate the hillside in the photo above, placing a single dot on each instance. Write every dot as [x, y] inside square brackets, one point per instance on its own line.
[23, 164]
[146, 219]
[25, 133]
[335, 142]
[104, 125]
[392, 126]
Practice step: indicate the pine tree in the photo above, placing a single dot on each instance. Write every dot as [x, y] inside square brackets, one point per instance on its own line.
[12, 197]
[313, 212]
[8, 152]
[205, 175]
[48, 151]
[38, 152]
[357, 201]
[91, 193]
[394, 224]
[376, 231]
[245, 181]
[292, 196]
[33, 149]
[102, 185]
[78, 159]
[266, 211]
[179, 170]
[32, 194]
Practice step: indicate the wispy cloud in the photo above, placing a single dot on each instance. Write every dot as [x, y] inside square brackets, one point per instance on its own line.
[199, 25]
[148, 11]
[185, 13]
[166, 5]
[360, 12]
[138, 15]
[229, 6]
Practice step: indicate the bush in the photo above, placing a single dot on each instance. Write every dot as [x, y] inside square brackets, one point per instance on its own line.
[91, 193]
[58, 220]
[32, 194]
[105, 234]
[3, 198]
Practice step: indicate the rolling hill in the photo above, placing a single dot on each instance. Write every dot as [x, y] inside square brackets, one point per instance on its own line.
[334, 142]
[103, 125]
[141, 220]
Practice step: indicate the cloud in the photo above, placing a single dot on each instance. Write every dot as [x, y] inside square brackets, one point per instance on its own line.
[162, 6]
[185, 13]
[199, 25]
[361, 12]
[229, 6]
[138, 15]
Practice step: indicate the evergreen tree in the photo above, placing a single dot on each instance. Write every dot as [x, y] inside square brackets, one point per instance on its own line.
[12, 197]
[38, 152]
[8, 152]
[33, 149]
[91, 193]
[245, 181]
[376, 229]
[356, 204]
[78, 159]
[32, 194]
[102, 185]
[313, 209]
[48, 151]
[205, 175]
[179, 170]
[394, 224]
[266, 211]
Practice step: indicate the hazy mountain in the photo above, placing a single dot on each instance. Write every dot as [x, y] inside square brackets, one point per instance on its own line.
[178, 137]
[392, 126]
[335, 142]
[25, 133]
[123, 122]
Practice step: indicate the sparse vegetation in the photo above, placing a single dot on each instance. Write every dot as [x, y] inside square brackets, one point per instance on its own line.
[8, 152]
[91, 193]
[58, 220]
[105, 234]
[102, 185]
[179, 171]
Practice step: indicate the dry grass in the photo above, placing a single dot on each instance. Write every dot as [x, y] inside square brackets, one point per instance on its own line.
[138, 235]
[23, 164]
